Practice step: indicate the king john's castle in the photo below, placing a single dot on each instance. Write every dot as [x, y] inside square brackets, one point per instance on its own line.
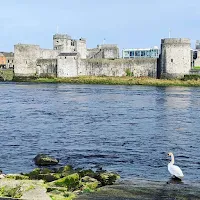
[71, 58]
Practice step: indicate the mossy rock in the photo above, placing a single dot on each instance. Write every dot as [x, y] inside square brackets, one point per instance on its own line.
[17, 176]
[49, 177]
[71, 182]
[45, 160]
[18, 188]
[66, 170]
[8, 191]
[107, 178]
[89, 184]
[87, 172]
[65, 196]
[60, 193]
[44, 174]
[34, 174]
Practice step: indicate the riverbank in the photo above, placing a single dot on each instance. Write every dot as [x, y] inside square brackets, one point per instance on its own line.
[63, 183]
[115, 81]
[18, 187]
[145, 190]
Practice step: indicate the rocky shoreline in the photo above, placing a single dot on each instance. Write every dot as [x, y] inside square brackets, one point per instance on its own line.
[48, 183]
[146, 190]
[134, 190]
[68, 183]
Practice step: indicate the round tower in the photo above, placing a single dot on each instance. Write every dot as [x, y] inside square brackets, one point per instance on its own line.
[175, 58]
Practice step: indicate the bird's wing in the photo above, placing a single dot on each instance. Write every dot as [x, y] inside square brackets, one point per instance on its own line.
[175, 170]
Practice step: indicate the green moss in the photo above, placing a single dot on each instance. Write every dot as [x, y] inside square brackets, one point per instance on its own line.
[34, 174]
[70, 181]
[89, 184]
[44, 174]
[191, 77]
[107, 178]
[87, 172]
[66, 170]
[45, 171]
[69, 196]
[128, 72]
[6, 74]
[196, 67]
[11, 192]
[17, 177]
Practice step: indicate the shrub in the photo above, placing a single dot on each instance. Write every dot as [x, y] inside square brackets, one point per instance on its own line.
[191, 77]
[128, 72]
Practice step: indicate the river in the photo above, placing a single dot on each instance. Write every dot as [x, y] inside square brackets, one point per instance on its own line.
[127, 129]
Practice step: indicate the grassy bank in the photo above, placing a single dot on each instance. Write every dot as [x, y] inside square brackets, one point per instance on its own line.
[6, 74]
[116, 81]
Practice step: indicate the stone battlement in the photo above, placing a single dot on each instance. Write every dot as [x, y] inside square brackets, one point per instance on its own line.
[175, 41]
[61, 36]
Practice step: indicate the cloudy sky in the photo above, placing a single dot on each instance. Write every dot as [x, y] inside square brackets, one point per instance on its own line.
[128, 23]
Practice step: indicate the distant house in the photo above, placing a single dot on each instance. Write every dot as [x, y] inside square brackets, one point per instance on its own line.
[9, 56]
[2, 61]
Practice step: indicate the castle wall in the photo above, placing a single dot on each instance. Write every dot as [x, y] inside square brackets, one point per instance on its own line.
[107, 51]
[197, 60]
[49, 53]
[25, 58]
[110, 51]
[175, 57]
[67, 65]
[92, 52]
[118, 67]
[46, 68]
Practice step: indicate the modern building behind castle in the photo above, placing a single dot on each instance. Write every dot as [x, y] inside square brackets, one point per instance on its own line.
[141, 53]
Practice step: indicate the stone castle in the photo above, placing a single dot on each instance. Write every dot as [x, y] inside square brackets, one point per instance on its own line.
[71, 58]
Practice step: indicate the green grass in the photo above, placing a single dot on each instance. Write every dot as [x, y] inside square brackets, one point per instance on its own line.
[189, 81]
[6, 74]
[196, 67]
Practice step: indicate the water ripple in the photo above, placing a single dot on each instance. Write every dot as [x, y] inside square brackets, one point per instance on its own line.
[128, 129]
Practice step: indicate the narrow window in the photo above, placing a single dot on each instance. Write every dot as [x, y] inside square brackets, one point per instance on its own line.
[65, 57]
[172, 60]
[8, 61]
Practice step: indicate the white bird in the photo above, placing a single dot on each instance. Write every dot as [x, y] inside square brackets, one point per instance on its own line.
[173, 169]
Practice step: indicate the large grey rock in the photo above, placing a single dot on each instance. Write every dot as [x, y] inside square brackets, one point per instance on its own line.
[44, 160]
[37, 193]
[23, 189]
[145, 190]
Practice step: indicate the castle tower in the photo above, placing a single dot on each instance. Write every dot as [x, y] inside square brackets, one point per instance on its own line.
[81, 47]
[25, 58]
[63, 43]
[175, 58]
[67, 65]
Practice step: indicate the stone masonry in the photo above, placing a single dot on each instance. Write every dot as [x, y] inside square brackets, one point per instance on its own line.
[71, 58]
[175, 58]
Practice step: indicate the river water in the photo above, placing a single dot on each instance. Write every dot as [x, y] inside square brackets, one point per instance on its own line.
[127, 129]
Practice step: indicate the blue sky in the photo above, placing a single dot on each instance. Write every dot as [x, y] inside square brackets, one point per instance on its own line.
[128, 23]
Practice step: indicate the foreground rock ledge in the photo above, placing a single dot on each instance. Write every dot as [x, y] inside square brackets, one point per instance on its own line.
[145, 190]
